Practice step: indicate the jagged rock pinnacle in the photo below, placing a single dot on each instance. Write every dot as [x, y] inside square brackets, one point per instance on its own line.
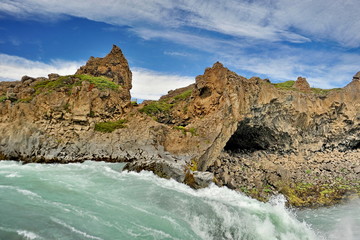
[114, 66]
[302, 85]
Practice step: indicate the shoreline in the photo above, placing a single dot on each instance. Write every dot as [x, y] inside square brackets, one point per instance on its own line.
[299, 195]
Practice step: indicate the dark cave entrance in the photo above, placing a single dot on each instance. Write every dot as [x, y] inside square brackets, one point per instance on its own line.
[250, 138]
[355, 145]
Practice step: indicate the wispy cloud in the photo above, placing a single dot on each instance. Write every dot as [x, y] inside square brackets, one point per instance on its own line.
[262, 37]
[323, 69]
[152, 85]
[178, 54]
[262, 19]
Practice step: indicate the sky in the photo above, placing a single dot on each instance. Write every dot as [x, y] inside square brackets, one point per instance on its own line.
[169, 42]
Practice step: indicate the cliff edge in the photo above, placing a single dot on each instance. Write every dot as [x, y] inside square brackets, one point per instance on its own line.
[251, 135]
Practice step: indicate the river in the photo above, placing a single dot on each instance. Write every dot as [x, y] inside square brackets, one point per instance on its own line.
[96, 200]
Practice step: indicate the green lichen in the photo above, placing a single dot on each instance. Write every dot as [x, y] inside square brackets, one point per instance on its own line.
[110, 126]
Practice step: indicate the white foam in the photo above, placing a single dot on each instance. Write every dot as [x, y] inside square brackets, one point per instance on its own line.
[28, 235]
[27, 192]
[71, 228]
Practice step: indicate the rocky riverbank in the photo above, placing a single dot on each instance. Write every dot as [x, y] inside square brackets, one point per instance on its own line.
[313, 180]
[251, 135]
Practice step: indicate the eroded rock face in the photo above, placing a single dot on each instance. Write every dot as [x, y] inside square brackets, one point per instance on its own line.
[302, 85]
[114, 66]
[221, 123]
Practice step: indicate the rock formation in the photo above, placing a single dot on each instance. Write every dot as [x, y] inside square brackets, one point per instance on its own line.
[253, 136]
[302, 85]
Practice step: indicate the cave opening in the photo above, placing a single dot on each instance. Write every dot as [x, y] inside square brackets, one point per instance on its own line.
[250, 138]
[205, 92]
[356, 145]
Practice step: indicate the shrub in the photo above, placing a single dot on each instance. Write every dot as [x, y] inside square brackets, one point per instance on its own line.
[110, 126]
[156, 107]
[184, 95]
[184, 130]
[3, 98]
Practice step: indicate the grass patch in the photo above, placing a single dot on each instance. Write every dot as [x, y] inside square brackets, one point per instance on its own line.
[184, 95]
[68, 82]
[3, 98]
[288, 85]
[110, 126]
[323, 91]
[156, 107]
[101, 83]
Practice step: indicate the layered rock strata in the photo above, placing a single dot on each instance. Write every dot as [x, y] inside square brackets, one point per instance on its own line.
[254, 136]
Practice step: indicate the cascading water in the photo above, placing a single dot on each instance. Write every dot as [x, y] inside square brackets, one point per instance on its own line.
[96, 200]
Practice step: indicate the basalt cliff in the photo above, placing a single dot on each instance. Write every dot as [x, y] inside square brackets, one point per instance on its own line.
[250, 135]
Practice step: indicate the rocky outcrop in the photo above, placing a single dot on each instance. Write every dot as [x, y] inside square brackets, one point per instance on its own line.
[113, 66]
[253, 136]
[302, 85]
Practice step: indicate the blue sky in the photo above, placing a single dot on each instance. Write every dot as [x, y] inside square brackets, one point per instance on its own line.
[168, 43]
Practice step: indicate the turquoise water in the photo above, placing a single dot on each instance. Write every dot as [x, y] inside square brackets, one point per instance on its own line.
[95, 200]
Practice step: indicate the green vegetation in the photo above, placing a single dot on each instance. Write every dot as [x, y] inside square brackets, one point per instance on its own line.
[185, 130]
[3, 98]
[288, 85]
[68, 82]
[193, 165]
[25, 100]
[91, 114]
[323, 91]
[134, 103]
[156, 107]
[110, 126]
[101, 83]
[308, 194]
[184, 95]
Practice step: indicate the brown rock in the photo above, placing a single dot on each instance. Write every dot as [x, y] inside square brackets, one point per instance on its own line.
[357, 76]
[302, 85]
[113, 66]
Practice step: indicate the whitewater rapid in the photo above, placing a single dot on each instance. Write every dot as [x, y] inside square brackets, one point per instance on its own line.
[96, 200]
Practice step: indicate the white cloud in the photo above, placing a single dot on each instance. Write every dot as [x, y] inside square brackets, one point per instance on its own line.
[322, 69]
[178, 54]
[13, 67]
[247, 27]
[152, 85]
[336, 20]
[146, 84]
